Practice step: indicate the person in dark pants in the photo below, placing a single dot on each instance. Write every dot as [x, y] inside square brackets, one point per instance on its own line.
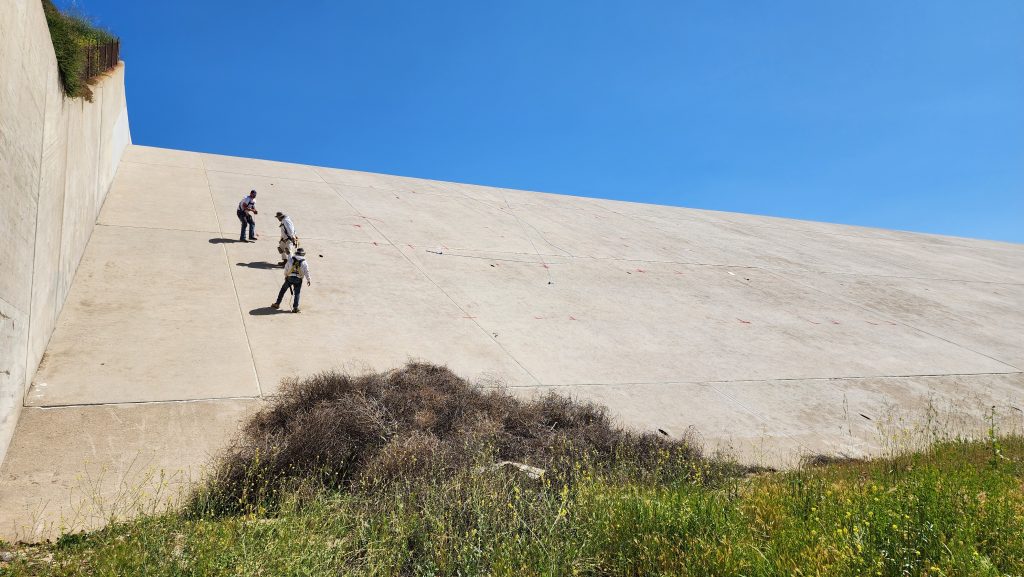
[294, 271]
[247, 208]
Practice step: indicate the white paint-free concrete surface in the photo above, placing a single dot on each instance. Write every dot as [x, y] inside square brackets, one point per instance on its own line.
[763, 337]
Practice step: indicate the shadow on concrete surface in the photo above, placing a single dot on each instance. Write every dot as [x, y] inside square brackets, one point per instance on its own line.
[259, 264]
[263, 311]
[224, 240]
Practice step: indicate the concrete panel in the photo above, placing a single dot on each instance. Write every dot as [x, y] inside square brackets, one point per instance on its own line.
[163, 156]
[316, 208]
[354, 178]
[861, 417]
[13, 16]
[160, 196]
[622, 323]
[346, 323]
[50, 218]
[79, 199]
[970, 314]
[13, 340]
[21, 138]
[116, 343]
[254, 167]
[691, 410]
[440, 222]
[53, 482]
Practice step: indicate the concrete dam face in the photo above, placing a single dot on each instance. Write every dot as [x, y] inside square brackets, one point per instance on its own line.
[136, 330]
[765, 337]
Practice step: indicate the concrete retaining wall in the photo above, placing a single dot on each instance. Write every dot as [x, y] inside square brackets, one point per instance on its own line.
[58, 157]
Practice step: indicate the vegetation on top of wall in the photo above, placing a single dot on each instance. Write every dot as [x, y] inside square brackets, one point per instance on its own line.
[73, 35]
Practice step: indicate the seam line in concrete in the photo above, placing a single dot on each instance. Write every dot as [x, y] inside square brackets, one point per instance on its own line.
[436, 285]
[234, 285]
[777, 380]
[157, 228]
[160, 402]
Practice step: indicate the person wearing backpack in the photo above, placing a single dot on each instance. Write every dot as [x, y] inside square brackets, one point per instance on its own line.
[289, 242]
[247, 208]
[295, 269]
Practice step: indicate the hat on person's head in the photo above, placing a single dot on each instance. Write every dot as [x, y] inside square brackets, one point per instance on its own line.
[252, 192]
[280, 215]
[300, 251]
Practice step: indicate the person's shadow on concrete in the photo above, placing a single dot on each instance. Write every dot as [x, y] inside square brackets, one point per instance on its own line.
[263, 311]
[258, 264]
[224, 241]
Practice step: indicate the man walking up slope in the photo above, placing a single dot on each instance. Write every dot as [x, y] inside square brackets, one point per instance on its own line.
[295, 269]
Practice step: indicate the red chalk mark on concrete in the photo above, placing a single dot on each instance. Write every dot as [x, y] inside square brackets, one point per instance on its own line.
[545, 266]
[538, 318]
[572, 318]
[411, 246]
[871, 323]
[835, 322]
[358, 225]
[469, 317]
[640, 270]
[743, 321]
[813, 322]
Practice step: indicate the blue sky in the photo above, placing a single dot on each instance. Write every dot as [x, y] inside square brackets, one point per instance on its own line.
[896, 114]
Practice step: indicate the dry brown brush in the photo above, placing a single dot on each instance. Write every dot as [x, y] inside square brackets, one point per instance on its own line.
[343, 431]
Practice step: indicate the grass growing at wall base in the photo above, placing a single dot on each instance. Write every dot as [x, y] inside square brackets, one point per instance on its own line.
[394, 473]
[956, 509]
[71, 34]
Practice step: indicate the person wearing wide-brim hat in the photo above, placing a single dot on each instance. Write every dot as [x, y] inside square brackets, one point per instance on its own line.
[295, 269]
[289, 242]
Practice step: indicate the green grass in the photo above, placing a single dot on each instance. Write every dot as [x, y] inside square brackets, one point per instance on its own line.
[955, 509]
[71, 34]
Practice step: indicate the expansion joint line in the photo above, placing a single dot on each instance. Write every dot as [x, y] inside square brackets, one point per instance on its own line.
[234, 284]
[433, 282]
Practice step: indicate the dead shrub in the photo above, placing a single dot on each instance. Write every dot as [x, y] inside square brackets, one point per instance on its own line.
[420, 421]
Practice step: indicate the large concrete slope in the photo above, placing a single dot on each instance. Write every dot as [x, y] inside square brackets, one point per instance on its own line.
[768, 337]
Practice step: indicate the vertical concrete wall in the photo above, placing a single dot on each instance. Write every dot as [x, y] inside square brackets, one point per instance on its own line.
[58, 157]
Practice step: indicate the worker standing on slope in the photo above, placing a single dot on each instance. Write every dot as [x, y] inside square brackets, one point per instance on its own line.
[295, 269]
[247, 208]
[289, 242]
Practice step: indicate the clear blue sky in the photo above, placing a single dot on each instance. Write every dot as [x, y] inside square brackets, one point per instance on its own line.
[897, 114]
